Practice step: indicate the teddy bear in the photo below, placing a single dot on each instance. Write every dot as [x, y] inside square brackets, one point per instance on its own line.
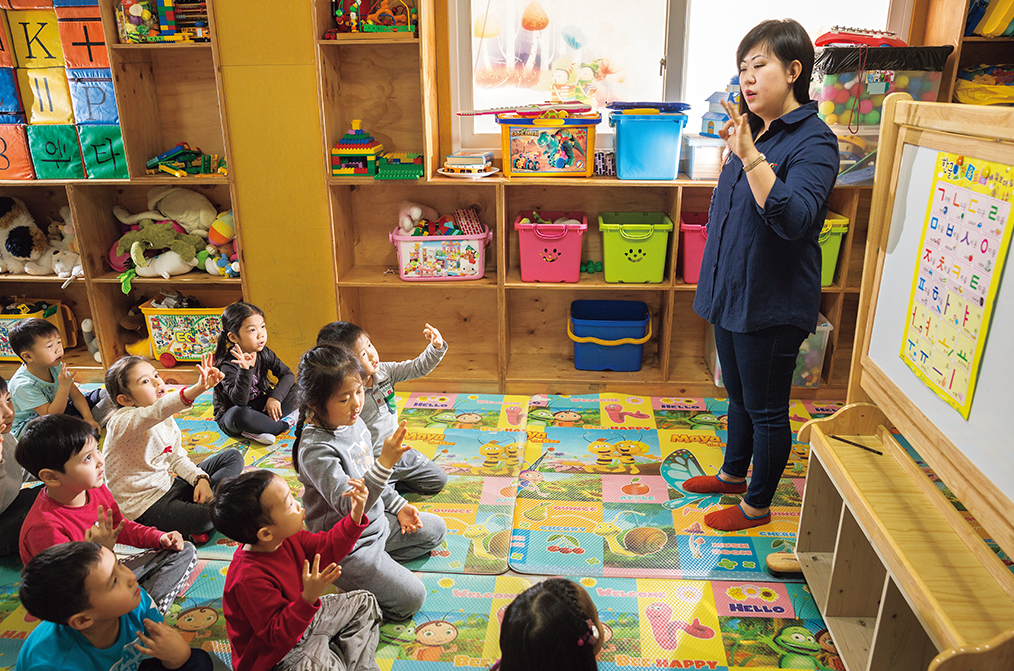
[410, 214]
[21, 239]
[191, 210]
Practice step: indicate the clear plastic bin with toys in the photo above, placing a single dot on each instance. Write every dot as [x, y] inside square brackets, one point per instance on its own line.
[809, 361]
[452, 247]
[53, 311]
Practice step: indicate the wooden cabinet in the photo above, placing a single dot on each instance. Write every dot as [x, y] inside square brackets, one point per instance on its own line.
[505, 335]
[165, 94]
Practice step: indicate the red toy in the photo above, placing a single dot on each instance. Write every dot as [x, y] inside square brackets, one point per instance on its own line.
[840, 35]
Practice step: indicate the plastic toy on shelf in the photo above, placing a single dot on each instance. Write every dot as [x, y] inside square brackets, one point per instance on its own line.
[399, 165]
[183, 160]
[140, 21]
[842, 36]
[373, 17]
[356, 153]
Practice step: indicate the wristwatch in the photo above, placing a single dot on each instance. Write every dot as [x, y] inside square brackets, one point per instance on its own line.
[202, 476]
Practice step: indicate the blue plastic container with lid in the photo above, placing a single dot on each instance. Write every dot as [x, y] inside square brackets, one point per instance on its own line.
[647, 142]
[609, 335]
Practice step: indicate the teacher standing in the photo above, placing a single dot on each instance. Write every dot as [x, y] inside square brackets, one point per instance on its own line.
[760, 275]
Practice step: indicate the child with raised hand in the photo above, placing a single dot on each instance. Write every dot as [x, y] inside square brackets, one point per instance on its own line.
[415, 471]
[334, 447]
[276, 613]
[15, 502]
[63, 452]
[551, 626]
[144, 446]
[246, 403]
[43, 385]
[96, 616]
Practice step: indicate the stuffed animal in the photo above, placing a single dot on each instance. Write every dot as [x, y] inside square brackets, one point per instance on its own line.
[91, 341]
[67, 264]
[45, 264]
[191, 210]
[223, 230]
[21, 239]
[410, 214]
[157, 236]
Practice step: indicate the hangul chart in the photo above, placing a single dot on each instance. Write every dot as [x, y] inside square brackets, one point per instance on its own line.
[964, 247]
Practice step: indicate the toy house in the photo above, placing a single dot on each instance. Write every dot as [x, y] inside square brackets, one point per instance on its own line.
[715, 117]
[356, 152]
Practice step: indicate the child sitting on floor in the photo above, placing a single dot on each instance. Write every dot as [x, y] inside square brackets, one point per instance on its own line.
[414, 472]
[95, 616]
[551, 626]
[335, 446]
[246, 404]
[143, 444]
[43, 385]
[276, 613]
[63, 452]
[15, 502]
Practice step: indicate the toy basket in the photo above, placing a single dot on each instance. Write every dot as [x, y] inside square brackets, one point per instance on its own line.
[835, 228]
[693, 238]
[441, 258]
[550, 252]
[608, 335]
[57, 314]
[634, 245]
[538, 147]
[648, 143]
[182, 334]
[809, 361]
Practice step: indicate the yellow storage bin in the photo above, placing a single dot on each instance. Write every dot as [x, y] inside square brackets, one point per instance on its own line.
[182, 334]
[548, 147]
[57, 313]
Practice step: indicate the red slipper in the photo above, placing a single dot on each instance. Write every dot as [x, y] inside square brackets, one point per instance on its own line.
[712, 484]
[734, 519]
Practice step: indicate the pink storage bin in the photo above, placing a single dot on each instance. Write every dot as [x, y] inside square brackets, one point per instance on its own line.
[550, 252]
[693, 236]
[441, 258]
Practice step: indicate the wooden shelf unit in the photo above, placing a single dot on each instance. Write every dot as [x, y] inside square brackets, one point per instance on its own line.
[391, 85]
[165, 94]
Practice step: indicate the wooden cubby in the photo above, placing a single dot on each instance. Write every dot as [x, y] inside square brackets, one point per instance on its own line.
[506, 335]
[165, 94]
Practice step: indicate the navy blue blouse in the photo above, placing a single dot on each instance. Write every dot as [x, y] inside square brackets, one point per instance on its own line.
[761, 266]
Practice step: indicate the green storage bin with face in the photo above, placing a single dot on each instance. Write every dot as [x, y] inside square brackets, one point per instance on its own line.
[835, 228]
[635, 245]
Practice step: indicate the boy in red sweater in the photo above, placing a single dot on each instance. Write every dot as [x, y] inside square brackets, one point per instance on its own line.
[276, 613]
[63, 452]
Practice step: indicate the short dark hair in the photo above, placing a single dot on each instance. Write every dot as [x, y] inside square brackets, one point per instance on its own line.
[342, 334]
[118, 376]
[26, 332]
[53, 583]
[3, 385]
[541, 629]
[787, 41]
[236, 510]
[49, 441]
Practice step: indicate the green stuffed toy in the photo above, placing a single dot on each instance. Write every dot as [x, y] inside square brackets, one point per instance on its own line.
[158, 236]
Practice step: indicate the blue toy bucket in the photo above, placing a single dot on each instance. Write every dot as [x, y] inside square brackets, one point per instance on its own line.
[608, 335]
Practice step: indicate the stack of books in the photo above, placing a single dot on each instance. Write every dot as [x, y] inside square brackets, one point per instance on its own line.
[472, 161]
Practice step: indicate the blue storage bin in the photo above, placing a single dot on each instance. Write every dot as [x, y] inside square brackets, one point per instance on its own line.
[647, 145]
[608, 335]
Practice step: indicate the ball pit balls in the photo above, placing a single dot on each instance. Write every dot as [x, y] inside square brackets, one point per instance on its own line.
[842, 96]
[929, 97]
[878, 100]
[826, 107]
[831, 119]
[845, 117]
[865, 106]
[873, 117]
[829, 92]
[901, 81]
[839, 108]
[933, 76]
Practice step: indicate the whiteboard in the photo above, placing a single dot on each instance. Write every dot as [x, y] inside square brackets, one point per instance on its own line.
[987, 437]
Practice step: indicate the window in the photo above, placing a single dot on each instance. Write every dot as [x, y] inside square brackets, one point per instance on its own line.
[521, 51]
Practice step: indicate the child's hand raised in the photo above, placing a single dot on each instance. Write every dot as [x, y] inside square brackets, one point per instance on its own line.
[358, 493]
[408, 518]
[104, 533]
[393, 448]
[316, 581]
[243, 359]
[65, 377]
[210, 376]
[434, 337]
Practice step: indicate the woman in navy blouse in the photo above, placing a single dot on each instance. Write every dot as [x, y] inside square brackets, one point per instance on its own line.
[760, 275]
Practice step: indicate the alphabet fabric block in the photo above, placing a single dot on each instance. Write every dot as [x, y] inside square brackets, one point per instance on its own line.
[15, 160]
[46, 95]
[92, 94]
[75, 3]
[55, 152]
[6, 46]
[36, 38]
[84, 45]
[26, 4]
[102, 149]
[10, 99]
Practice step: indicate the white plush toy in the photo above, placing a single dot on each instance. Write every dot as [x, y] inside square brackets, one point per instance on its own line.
[165, 265]
[410, 214]
[44, 265]
[67, 264]
[189, 209]
[21, 239]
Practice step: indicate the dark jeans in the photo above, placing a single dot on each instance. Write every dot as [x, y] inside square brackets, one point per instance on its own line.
[12, 519]
[757, 368]
[176, 510]
[199, 661]
[251, 418]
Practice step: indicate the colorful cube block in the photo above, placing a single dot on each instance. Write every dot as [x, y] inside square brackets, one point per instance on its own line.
[6, 45]
[91, 92]
[15, 159]
[102, 149]
[45, 94]
[36, 38]
[10, 98]
[55, 152]
[84, 45]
